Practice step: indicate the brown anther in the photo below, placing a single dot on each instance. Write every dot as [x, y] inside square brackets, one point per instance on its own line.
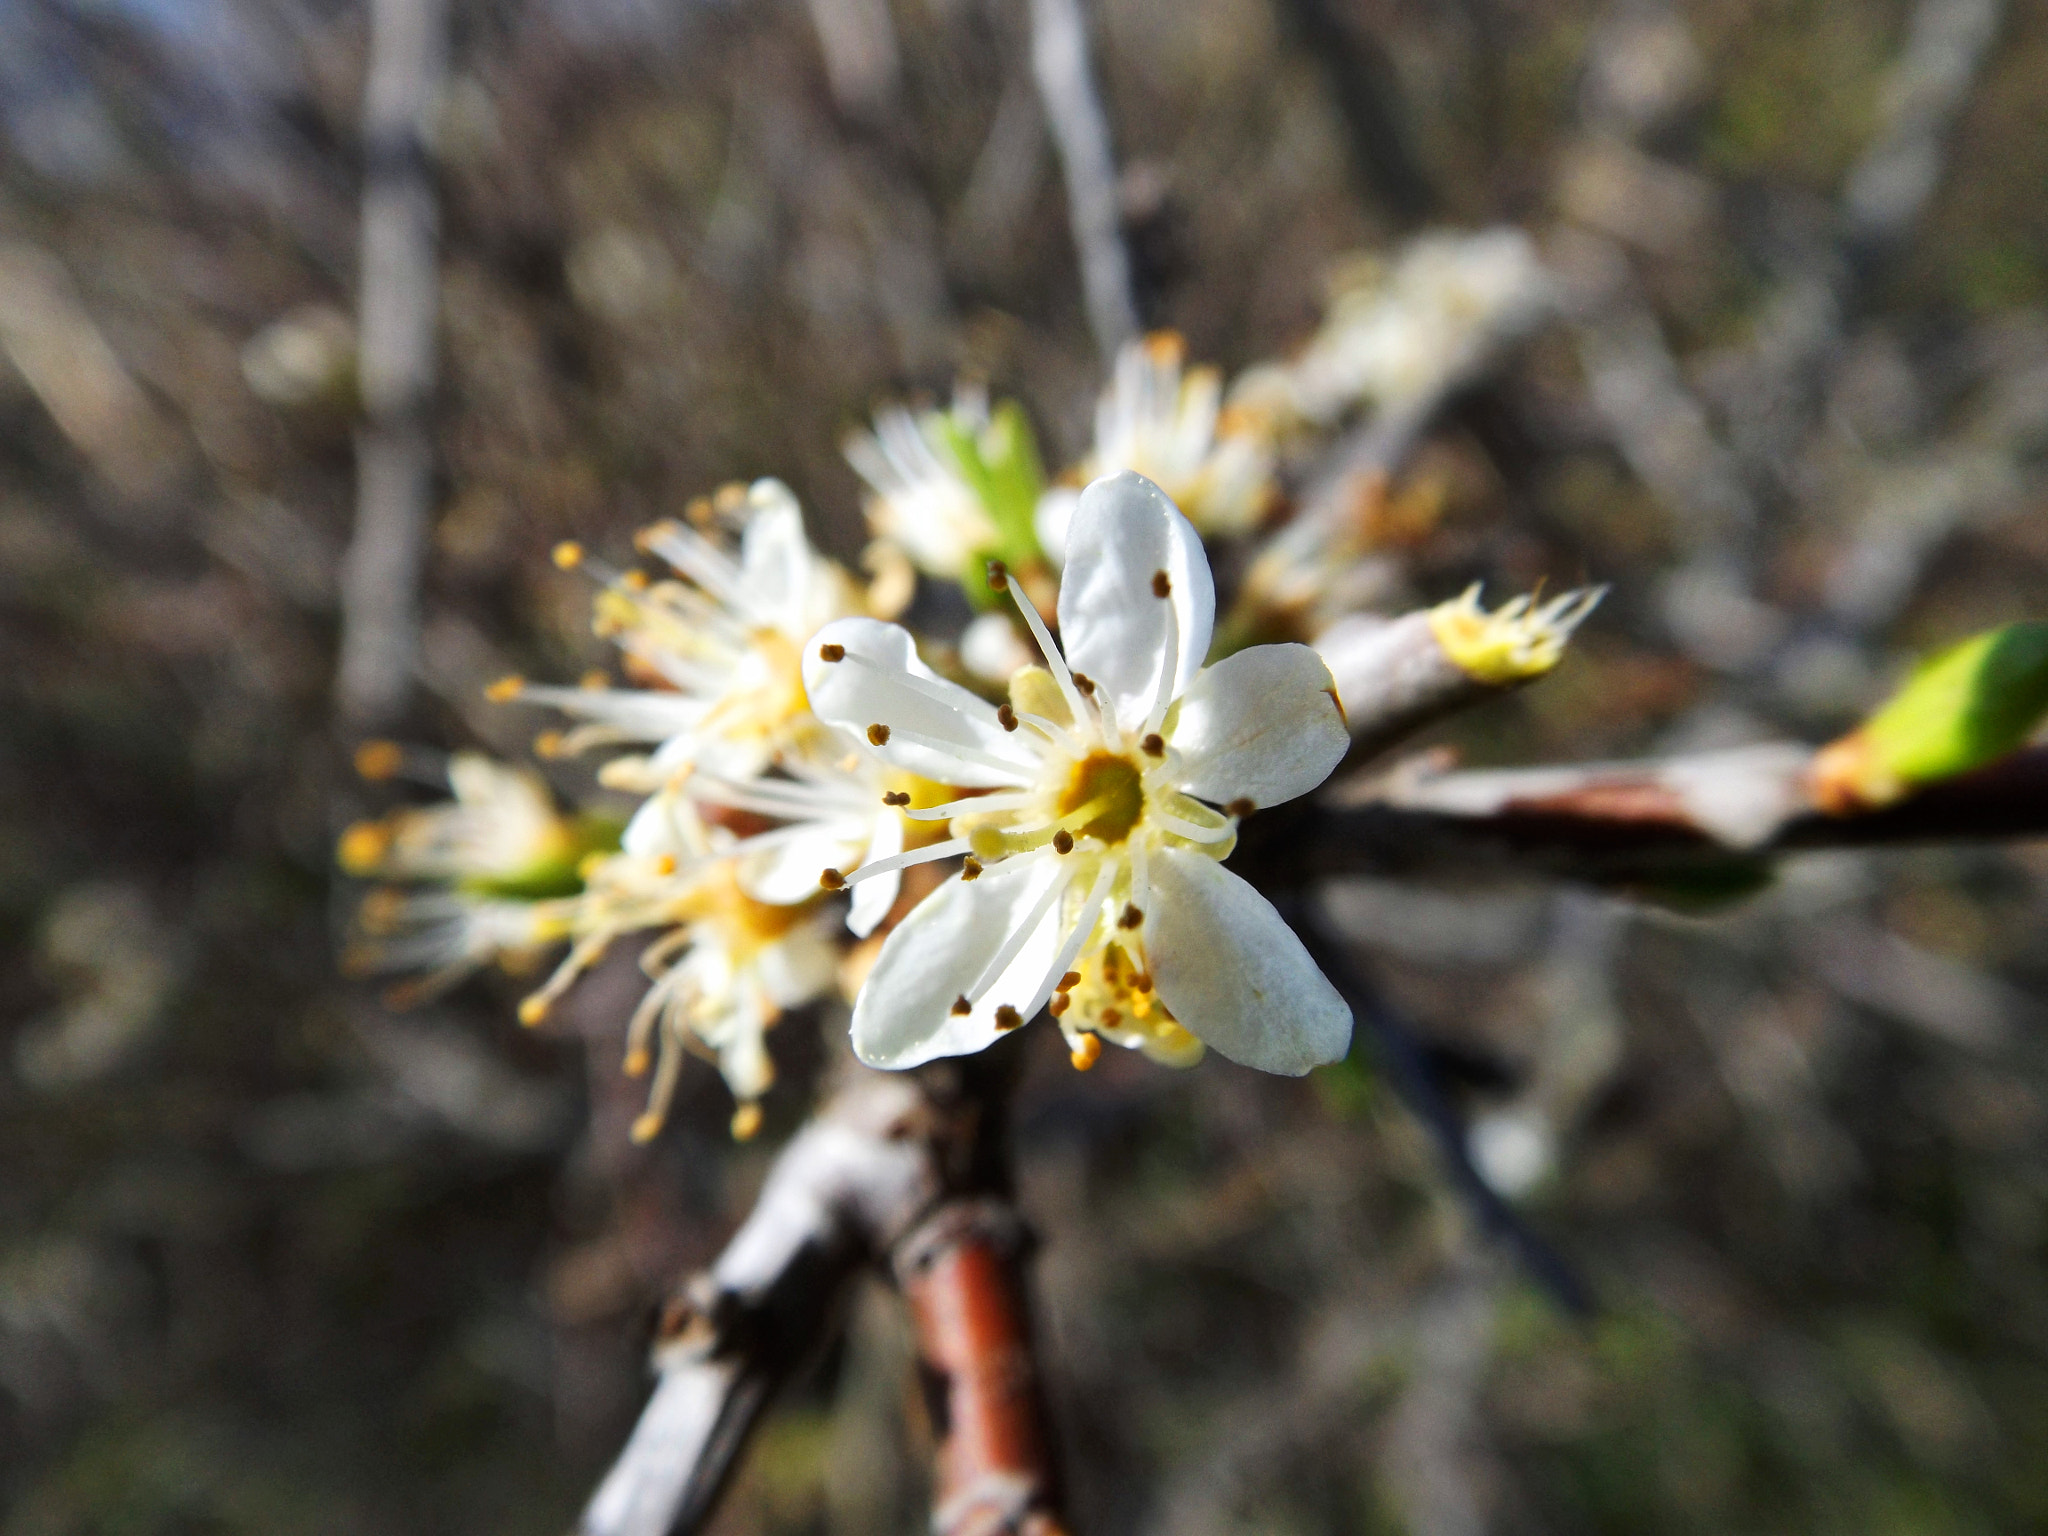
[1063, 841]
[832, 880]
[998, 576]
[1240, 807]
[1142, 982]
[1006, 717]
[1085, 683]
[377, 760]
[830, 652]
[1111, 1017]
[634, 581]
[1008, 1018]
[1162, 585]
[878, 735]
[1130, 917]
[1069, 981]
[1086, 1052]
[1059, 1004]
[1154, 745]
[962, 1007]
[970, 868]
[895, 797]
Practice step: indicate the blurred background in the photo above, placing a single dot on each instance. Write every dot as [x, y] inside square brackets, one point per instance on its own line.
[274, 1258]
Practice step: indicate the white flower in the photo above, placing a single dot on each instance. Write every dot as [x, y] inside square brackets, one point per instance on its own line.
[1167, 423]
[1093, 829]
[720, 980]
[1407, 333]
[922, 500]
[501, 827]
[726, 643]
[445, 934]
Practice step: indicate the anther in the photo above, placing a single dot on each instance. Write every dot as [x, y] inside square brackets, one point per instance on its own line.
[505, 688]
[1111, 1017]
[1240, 807]
[746, 1121]
[377, 760]
[1063, 841]
[1162, 585]
[1069, 981]
[594, 681]
[830, 652]
[832, 880]
[634, 581]
[1142, 982]
[1008, 1018]
[962, 1007]
[1006, 717]
[1086, 1052]
[1059, 1004]
[878, 735]
[568, 555]
[998, 576]
[1154, 745]
[532, 1010]
[1130, 917]
[666, 864]
[970, 868]
[1085, 683]
[895, 797]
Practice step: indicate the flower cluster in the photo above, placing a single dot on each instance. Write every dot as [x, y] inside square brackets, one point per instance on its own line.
[959, 835]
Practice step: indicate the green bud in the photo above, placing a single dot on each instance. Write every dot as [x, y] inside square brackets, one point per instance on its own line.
[1000, 462]
[1964, 708]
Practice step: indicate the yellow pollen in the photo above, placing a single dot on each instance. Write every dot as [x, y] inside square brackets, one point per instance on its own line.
[505, 688]
[634, 581]
[532, 1010]
[363, 846]
[666, 864]
[646, 1128]
[568, 555]
[638, 1060]
[376, 760]
[549, 744]
[1059, 1004]
[1086, 1052]
[1070, 981]
[746, 1121]
[1116, 784]
[970, 868]
[594, 681]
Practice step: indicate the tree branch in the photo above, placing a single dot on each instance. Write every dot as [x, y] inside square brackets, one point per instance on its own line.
[1059, 62]
[398, 299]
[1622, 821]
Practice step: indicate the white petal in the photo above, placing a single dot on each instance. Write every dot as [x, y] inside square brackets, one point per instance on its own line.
[855, 696]
[1112, 625]
[1053, 517]
[787, 873]
[903, 1015]
[1233, 972]
[1262, 725]
[661, 825]
[775, 557]
[797, 967]
[872, 899]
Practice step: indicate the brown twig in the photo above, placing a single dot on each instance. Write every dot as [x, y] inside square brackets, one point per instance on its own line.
[1671, 818]
[905, 1169]
[960, 1274]
[398, 301]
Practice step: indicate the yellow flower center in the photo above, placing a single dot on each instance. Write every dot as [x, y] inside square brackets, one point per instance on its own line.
[1111, 785]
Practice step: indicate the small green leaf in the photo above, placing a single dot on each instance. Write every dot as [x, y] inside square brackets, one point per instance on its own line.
[1964, 708]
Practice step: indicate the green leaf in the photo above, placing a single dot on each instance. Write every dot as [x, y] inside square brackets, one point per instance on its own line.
[1968, 706]
[1000, 463]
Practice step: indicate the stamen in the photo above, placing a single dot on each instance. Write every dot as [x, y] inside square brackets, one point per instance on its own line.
[1162, 585]
[1130, 917]
[969, 803]
[1020, 936]
[895, 797]
[1170, 662]
[1008, 1018]
[970, 868]
[1024, 772]
[961, 1007]
[878, 735]
[831, 653]
[1006, 717]
[1063, 842]
[1190, 831]
[1060, 978]
[832, 880]
[1154, 745]
[1087, 1053]
[1059, 1004]
[882, 866]
[1054, 661]
[998, 576]
[1241, 806]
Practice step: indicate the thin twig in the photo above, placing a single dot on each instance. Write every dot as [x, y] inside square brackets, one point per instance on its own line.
[1059, 62]
[398, 299]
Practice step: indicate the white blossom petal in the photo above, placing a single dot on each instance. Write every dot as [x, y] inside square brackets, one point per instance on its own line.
[880, 681]
[1232, 971]
[872, 899]
[775, 557]
[798, 967]
[662, 824]
[904, 1015]
[1113, 626]
[786, 872]
[1262, 725]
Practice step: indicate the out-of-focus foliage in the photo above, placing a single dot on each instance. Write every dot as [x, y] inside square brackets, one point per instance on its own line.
[273, 1259]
